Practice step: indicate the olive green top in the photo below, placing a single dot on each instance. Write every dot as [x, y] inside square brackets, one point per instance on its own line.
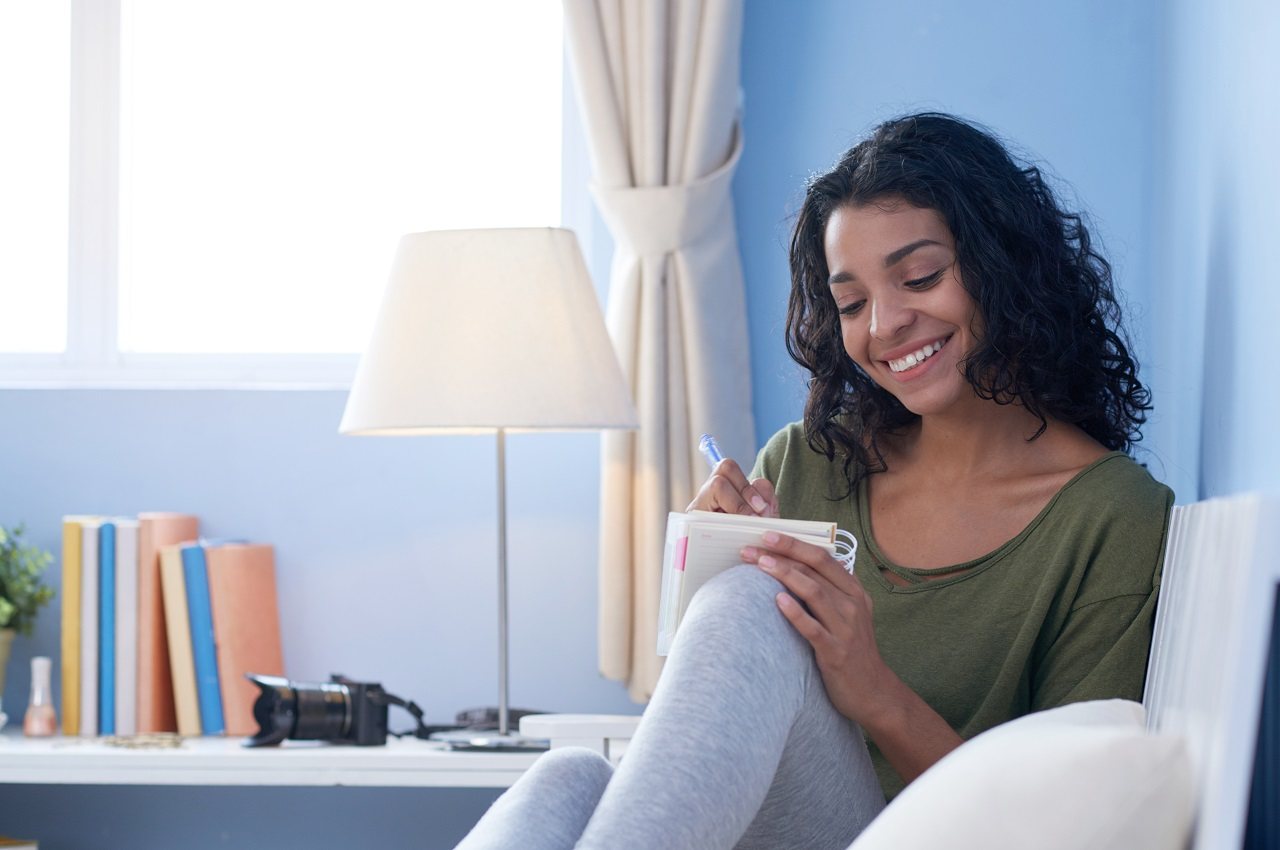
[1061, 613]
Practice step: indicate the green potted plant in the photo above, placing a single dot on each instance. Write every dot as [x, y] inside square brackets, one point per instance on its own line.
[22, 590]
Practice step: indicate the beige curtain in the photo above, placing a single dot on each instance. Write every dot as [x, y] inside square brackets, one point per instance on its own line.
[658, 85]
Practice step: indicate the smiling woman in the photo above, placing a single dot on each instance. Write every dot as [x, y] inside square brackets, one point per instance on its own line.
[1051, 338]
[970, 405]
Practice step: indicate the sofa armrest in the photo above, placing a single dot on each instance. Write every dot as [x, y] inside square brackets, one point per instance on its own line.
[607, 734]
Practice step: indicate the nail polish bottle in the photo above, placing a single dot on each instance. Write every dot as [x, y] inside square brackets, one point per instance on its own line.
[40, 721]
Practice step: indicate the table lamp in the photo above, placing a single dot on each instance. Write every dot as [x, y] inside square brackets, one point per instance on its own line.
[489, 331]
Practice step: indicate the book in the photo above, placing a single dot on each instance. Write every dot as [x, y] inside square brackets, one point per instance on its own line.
[72, 545]
[107, 627]
[155, 679]
[246, 626]
[203, 649]
[126, 615]
[89, 580]
[701, 544]
[178, 631]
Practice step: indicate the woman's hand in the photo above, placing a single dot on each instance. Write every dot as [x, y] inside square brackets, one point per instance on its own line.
[728, 491]
[837, 623]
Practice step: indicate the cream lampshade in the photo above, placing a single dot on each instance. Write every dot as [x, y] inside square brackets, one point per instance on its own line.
[489, 331]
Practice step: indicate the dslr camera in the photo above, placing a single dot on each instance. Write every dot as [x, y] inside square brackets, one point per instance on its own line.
[339, 711]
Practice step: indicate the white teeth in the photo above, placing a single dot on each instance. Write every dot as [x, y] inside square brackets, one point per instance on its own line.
[916, 357]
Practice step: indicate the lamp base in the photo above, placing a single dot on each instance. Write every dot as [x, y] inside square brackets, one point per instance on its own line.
[489, 740]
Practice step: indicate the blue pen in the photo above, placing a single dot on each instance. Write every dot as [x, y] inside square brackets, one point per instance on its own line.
[707, 445]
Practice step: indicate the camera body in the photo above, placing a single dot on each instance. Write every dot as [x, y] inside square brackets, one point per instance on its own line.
[341, 711]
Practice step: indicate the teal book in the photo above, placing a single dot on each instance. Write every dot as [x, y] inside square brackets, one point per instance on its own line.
[107, 629]
[204, 650]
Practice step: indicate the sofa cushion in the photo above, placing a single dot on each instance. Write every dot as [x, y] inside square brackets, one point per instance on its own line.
[1085, 775]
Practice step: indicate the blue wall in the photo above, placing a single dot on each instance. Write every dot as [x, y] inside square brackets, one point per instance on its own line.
[1219, 203]
[1073, 85]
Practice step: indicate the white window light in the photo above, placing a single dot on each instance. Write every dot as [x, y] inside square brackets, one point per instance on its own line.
[270, 154]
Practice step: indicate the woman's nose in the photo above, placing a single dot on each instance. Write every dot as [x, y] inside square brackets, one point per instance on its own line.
[889, 315]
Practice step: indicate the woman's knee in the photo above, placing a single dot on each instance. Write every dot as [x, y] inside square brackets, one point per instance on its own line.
[743, 600]
[576, 767]
[743, 589]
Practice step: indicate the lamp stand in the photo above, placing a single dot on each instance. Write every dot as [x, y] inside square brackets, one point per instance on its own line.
[503, 738]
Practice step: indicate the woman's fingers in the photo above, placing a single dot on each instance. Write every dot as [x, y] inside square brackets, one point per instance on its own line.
[729, 491]
[764, 487]
[805, 623]
[820, 560]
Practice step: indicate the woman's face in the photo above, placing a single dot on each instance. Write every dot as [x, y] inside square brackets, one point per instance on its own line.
[905, 316]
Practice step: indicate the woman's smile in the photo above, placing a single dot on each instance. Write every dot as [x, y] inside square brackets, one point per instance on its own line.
[910, 365]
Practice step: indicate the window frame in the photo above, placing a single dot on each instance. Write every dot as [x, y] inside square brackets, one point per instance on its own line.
[92, 358]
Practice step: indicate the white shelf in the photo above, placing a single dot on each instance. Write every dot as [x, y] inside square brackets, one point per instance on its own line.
[223, 761]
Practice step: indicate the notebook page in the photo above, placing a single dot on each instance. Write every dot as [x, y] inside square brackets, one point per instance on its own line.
[714, 549]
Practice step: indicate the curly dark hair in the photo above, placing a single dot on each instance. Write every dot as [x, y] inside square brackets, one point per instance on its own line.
[1053, 339]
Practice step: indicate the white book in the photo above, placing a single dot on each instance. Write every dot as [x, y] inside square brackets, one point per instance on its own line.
[89, 572]
[701, 544]
[126, 626]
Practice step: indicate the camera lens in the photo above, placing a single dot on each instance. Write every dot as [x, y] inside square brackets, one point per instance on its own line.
[323, 712]
[302, 711]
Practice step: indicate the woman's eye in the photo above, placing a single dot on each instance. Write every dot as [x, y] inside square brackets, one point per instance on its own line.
[925, 282]
[852, 308]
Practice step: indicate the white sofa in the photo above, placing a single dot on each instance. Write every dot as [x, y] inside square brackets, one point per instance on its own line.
[1102, 775]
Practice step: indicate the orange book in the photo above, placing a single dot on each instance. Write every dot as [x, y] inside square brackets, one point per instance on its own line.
[246, 625]
[155, 680]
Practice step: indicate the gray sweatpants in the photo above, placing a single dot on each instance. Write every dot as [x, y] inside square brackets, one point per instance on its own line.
[739, 747]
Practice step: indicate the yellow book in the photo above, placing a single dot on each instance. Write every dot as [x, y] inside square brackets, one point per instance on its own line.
[178, 627]
[71, 625]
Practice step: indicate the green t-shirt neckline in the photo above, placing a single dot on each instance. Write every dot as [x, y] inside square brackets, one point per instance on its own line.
[921, 578]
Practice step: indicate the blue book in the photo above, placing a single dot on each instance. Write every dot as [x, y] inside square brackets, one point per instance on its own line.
[204, 651]
[107, 629]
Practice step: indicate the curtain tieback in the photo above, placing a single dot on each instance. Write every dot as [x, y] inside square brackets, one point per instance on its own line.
[657, 220]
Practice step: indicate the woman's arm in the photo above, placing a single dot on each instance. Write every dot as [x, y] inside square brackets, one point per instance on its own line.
[836, 618]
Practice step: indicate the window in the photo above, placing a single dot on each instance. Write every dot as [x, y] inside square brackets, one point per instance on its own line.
[242, 170]
[34, 72]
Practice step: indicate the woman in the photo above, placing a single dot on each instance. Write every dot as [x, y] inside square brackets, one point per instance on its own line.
[970, 410]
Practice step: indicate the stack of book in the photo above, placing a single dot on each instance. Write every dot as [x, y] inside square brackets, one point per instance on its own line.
[159, 627]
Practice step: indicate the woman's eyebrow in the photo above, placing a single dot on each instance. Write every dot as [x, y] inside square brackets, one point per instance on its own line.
[902, 252]
[893, 257]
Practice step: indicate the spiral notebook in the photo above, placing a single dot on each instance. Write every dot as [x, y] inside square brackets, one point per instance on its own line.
[701, 544]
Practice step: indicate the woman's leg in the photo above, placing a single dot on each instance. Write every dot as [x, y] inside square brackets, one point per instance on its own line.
[740, 745]
[547, 808]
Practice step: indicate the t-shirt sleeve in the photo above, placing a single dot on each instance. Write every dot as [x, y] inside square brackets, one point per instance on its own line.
[1101, 653]
[1101, 646]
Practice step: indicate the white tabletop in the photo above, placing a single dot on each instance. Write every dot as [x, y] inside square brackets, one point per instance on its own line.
[223, 761]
